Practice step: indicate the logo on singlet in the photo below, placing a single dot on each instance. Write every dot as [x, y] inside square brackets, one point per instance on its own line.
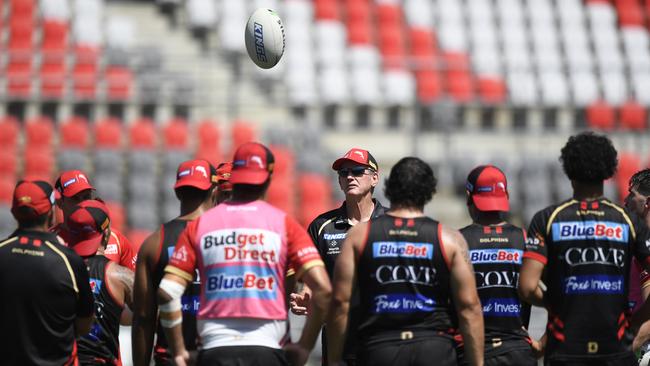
[593, 284]
[501, 307]
[496, 279]
[403, 303]
[95, 285]
[402, 249]
[241, 282]
[418, 275]
[480, 256]
[590, 230]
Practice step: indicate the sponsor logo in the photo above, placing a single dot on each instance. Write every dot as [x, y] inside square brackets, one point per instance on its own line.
[403, 303]
[418, 275]
[401, 249]
[590, 230]
[95, 285]
[605, 256]
[241, 282]
[111, 249]
[496, 256]
[259, 42]
[490, 279]
[241, 245]
[593, 284]
[69, 182]
[338, 236]
[502, 307]
[180, 255]
[202, 170]
[184, 173]
[190, 304]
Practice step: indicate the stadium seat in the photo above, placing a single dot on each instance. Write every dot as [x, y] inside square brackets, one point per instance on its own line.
[55, 36]
[109, 187]
[284, 162]
[52, 79]
[600, 115]
[209, 144]
[21, 37]
[116, 213]
[22, 8]
[7, 185]
[74, 133]
[8, 164]
[326, 10]
[491, 90]
[19, 78]
[633, 116]
[84, 80]
[55, 10]
[137, 237]
[429, 85]
[399, 88]
[280, 194]
[142, 134]
[119, 83]
[39, 134]
[108, 134]
[242, 132]
[176, 134]
[10, 133]
[39, 164]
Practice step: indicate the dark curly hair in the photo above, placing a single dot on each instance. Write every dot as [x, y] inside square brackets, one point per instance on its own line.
[411, 183]
[641, 182]
[589, 158]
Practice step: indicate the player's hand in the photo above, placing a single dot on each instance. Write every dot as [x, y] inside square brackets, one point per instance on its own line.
[641, 337]
[299, 303]
[539, 346]
[182, 359]
[297, 355]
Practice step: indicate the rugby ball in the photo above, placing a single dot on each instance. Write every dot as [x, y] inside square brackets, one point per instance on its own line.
[264, 37]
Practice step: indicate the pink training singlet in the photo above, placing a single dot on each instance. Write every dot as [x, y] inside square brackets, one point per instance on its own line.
[639, 279]
[242, 252]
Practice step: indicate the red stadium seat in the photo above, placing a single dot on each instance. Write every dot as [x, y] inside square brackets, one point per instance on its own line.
[429, 85]
[86, 55]
[8, 163]
[460, 86]
[55, 36]
[119, 82]
[281, 195]
[52, 79]
[39, 134]
[242, 132]
[492, 90]
[21, 32]
[7, 186]
[10, 132]
[358, 11]
[22, 8]
[392, 46]
[633, 116]
[629, 13]
[176, 134]
[19, 78]
[389, 15]
[74, 133]
[142, 134]
[209, 147]
[326, 10]
[359, 33]
[423, 42]
[117, 214]
[600, 115]
[108, 134]
[285, 162]
[39, 164]
[137, 236]
[84, 79]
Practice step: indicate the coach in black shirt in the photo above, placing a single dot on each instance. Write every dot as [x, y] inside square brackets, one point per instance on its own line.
[47, 300]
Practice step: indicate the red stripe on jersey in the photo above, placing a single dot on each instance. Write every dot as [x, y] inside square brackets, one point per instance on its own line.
[540, 258]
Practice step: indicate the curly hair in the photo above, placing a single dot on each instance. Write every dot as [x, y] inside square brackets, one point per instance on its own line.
[589, 158]
[641, 182]
[411, 183]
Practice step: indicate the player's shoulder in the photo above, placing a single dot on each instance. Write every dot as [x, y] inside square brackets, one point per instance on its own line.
[325, 218]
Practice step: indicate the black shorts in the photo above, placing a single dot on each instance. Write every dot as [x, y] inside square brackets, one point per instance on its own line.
[627, 359]
[409, 352]
[510, 352]
[242, 355]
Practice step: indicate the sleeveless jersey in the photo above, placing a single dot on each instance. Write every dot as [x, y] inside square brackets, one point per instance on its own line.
[169, 233]
[403, 278]
[101, 344]
[242, 252]
[587, 247]
[496, 253]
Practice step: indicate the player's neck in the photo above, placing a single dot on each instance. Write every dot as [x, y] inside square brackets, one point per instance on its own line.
[191, 209]
[586, 191]
[359, 209]
[489, 219]
[406, 212]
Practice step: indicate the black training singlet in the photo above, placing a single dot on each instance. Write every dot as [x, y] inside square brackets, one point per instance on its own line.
[496, 253]
[169, 233]
[403, 279]
[587, 247]
[101, 344]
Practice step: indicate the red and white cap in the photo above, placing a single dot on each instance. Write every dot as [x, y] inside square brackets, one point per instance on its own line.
[72, 182]
[86, 224]
[196, 173]
[252, 164]
[358, 156]
[32, 199]
[488, 188]
[224, 170]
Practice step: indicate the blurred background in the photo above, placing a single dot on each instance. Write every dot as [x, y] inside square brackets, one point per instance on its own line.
[126, 90]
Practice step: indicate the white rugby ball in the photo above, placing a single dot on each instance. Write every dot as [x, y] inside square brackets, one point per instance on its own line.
[264, 37]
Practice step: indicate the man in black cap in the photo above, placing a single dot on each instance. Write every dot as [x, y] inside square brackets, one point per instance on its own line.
[358, 174]
[47, 301]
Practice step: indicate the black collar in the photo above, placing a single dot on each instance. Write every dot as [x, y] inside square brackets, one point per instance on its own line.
[36, 234]
[342, 214]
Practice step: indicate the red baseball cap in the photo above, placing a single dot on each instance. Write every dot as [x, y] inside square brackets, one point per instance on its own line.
[358, 156]
[32, 199]
[224, 170]
[253, 164]
[196, 173]
[86, 224]
[488, 187]
[72, 182]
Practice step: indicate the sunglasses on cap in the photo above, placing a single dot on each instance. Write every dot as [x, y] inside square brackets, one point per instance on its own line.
[357, 171]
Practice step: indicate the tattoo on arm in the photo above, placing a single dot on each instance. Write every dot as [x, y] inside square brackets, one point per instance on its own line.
[125, 276]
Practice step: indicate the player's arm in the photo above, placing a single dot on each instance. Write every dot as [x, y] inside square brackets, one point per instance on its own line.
[120, 281]
[465, 295]
[145, 307]
[300, 295]
[535, 259]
